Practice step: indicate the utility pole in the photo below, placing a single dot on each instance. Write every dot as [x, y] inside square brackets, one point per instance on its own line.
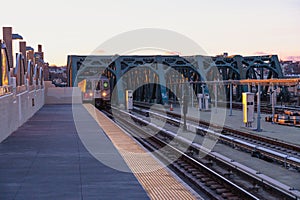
[185, 106]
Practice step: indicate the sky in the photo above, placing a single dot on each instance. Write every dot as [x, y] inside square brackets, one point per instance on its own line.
[75, 27]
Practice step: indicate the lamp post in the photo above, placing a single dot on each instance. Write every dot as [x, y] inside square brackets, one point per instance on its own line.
[230, 88]
[185, 105]
[8, 38]
[16, 36]
[15, 49]
[30, 53]
[22, 47]
[258, 129]
[29, 48]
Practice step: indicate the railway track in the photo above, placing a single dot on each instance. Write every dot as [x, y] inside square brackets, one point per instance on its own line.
[207, 173]
[261, 147]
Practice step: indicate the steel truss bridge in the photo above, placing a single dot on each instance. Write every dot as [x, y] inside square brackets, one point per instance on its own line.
[163, 78]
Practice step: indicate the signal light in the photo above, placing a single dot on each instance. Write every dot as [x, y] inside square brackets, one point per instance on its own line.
[105, 84]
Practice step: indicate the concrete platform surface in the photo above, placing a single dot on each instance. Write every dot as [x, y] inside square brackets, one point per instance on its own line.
[155, 177]
[45, 159]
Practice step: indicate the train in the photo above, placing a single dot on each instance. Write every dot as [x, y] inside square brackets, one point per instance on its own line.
[95, 90]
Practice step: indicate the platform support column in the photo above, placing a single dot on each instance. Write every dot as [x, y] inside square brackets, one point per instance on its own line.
[216, 97]
[203, 102]
[192, 94]
[230, 113]
[258, 129]
[163, 90]
[273, 96]
[162, 80]
[174, 92]
[119, 85]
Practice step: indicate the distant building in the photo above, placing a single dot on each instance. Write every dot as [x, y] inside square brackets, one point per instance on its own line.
[291, 68]
[58, 75]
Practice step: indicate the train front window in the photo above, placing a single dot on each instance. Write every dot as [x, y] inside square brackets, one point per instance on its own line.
[98, 85]
[88, 85]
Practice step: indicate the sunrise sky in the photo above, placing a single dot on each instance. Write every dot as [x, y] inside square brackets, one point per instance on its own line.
[235, 26]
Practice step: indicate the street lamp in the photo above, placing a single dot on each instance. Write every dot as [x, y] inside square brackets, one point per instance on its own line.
[8, 38]
[15, 46]
[30, 54]
[16, 36]
[29, 48]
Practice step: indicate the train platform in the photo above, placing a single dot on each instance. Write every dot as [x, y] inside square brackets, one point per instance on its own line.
[220, 116]
[47, 159]
[159, 182]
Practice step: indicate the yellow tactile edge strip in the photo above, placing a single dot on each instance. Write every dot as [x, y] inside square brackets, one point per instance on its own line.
[159, 183]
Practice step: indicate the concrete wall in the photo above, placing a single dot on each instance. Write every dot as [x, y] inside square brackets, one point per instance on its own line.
[17, 109]
[62, 95]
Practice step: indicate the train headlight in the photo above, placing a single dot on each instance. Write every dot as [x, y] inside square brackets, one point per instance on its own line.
[104, 94]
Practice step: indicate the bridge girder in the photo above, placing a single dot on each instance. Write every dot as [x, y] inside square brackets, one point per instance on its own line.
[192, 68]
